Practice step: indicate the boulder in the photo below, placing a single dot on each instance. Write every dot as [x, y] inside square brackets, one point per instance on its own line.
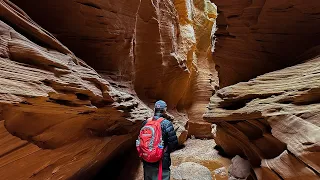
[240, 168]
[191, 171]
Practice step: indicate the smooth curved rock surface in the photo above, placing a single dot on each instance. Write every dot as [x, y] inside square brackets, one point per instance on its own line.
[59, 118]
[161, 48]
[273, 119]
[55, 103]
[99, 32]
[256, 37]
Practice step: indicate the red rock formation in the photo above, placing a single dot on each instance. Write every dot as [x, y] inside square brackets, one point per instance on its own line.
[70, 121]
[76, 119]
[160, 48]
[255, 37]
[273, 119]
[66, 113]
[99, 32]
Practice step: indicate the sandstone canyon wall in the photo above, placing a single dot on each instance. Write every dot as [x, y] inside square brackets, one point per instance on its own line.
[62, 118]
[76, 118]
[255, 37]
[158, 49]
[59, 118]
[272, 119]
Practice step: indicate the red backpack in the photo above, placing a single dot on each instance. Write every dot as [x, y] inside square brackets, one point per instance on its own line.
[149, 144]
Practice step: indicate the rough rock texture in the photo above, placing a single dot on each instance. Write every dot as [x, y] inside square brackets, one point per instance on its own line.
[255, 37]
[76, 118]
[191, 171]
[67, 121]
[202, 152]
[196, 150]
[197, 25]
[99, 32]
[161, 49]
[273, 118]
[240, 168]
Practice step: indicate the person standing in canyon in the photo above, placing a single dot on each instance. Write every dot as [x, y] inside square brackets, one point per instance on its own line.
[156, 141]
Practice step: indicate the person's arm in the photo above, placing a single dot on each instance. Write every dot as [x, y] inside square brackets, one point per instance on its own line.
[172, 137]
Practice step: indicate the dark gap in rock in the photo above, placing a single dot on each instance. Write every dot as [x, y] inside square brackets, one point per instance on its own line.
[234, 122]
[233, 16]
[252, 175]
[123, 166]
[286, 101]
[90, 4]
[26, 102]
[313, 101]
[222, 152]
[82, 97]
[234, 105]
[87, 112]
[307, 143]
[25, 34]
[54, 66]
[64, 102]
[275, 172]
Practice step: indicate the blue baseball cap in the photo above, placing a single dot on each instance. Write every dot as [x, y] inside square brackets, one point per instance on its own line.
[161, 105]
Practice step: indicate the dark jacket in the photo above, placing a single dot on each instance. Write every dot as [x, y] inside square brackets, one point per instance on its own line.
[170, 143]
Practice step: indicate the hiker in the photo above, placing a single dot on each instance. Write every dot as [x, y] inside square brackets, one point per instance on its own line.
[156, 141]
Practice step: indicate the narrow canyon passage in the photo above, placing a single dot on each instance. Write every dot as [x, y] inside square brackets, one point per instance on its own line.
[78, 77]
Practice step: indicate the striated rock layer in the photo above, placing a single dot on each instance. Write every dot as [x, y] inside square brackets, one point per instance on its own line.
[256, 37]
[159, 49]
[76, 118]
[273, 120]
[59, 119]
[99, 32]
[197, 26]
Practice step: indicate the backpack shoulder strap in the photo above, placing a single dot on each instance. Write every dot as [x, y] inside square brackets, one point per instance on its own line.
[160, 120]
[146, 121]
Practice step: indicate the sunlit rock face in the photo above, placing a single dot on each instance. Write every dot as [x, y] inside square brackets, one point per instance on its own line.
[64, 117]
[197, 25]
[159, 49]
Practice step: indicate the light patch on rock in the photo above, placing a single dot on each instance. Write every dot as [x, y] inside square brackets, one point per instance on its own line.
[221, 171]
[240, 168]
[191, 171]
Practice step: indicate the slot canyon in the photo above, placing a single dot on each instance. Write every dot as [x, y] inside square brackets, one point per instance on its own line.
[241, 79]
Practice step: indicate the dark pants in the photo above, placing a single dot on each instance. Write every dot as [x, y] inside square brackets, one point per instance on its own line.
[151, 173]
